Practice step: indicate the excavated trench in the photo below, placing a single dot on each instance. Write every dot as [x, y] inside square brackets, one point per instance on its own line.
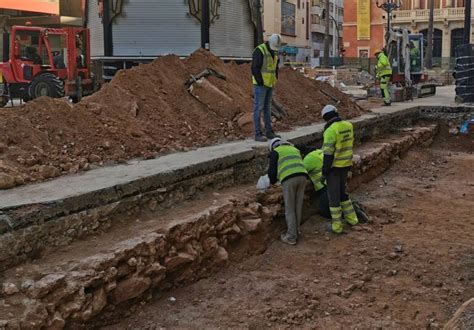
[96, 262]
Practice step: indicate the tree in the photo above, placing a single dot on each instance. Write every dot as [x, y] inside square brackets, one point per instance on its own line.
[429, 48]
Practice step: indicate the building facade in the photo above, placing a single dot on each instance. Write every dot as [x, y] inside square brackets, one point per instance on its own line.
[412, 15]
[290, 18]
[302, 27]
[318, 27]
[448, 23]
[363, 28]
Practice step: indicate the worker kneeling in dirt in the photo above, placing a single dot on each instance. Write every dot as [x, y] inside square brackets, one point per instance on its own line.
[313, 162]
[286, 166]
[383, 74]
[338, 140]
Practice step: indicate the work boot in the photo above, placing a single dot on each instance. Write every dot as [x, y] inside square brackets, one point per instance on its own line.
[349, 213]
[260, 138]
[387, 104]
[271, 135]
[284, 238]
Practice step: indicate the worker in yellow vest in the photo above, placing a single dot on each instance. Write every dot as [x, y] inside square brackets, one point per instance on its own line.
[313, 162]
[337, 162]
[264, 77]
[383, 74]
[286, 166]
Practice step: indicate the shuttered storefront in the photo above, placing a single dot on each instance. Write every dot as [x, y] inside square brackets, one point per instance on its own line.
[94, 23]
[232, 34]
[155, 27]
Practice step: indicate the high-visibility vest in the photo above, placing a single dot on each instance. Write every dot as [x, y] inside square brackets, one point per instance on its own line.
[313, 162]
[269, 67]
[289, 162]
[338, 141]
[383, 66]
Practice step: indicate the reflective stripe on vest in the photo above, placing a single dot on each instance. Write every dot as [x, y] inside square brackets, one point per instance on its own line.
[269, 67]
[313, 162]
[342, 147]
[289, 162]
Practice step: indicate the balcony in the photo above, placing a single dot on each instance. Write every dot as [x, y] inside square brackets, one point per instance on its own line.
[450, 14]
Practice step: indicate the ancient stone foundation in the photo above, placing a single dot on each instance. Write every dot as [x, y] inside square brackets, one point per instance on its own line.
[169, 249]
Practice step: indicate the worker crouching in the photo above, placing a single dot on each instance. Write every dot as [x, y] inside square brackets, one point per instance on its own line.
[337, 162]
[286, 166]
[383, 74]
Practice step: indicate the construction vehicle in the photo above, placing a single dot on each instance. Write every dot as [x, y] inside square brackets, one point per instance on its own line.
[406, 54]
[40, 61]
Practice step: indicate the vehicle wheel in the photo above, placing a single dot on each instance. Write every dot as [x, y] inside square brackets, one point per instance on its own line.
[46, 84]
[3, 101]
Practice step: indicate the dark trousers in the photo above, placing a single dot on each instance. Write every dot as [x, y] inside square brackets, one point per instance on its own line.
[336, 185]
[321, 201]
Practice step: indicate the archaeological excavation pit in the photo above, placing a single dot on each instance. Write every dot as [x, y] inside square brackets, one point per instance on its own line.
[195, 245]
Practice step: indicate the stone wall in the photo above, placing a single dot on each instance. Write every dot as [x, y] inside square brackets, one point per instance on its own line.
[182, 254]
[76, 291]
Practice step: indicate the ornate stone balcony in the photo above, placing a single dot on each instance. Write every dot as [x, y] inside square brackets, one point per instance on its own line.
[408, 16]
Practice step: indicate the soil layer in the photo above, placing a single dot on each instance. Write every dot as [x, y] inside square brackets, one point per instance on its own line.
[411, 269]
[147, 111]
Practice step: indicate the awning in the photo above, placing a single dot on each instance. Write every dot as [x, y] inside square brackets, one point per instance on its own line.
[36, 6]
[289, 50]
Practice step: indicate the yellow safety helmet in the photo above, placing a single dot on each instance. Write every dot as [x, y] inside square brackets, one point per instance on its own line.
[378, 51]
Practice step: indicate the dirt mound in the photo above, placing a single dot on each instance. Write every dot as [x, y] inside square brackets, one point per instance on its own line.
[146, 111]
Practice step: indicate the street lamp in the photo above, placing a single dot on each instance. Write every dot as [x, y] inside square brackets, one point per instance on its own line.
[388, 6]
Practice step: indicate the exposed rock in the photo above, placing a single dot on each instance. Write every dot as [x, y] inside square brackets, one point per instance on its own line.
[463, 318]
[46, 285]
[130, 288]
[250, 225]
[6, 181]
[222, 255]
[97, 304]
[181, 258]
[9, 288]
[57, 323]
[48, 171]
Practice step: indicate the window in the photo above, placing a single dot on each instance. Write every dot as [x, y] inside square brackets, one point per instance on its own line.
[299, 4]
[57, 43]
[288, 21]
[315, 19]
[28, 43]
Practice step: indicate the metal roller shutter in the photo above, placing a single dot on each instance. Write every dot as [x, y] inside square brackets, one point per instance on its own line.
[232, 33]
[94, 23]
[155, 27]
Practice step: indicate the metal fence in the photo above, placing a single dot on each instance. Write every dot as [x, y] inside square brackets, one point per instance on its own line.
[368, 64]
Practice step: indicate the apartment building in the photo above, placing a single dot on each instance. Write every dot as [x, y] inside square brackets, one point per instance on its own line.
[302, 27]
[318, 27]
[448, 23]
[364, 25]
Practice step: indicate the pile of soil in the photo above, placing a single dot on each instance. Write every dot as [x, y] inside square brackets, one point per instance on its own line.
[147, 111]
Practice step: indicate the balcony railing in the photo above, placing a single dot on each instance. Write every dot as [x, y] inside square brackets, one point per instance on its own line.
[423, 14]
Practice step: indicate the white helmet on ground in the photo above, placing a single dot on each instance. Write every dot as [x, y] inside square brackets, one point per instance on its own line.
[275, 42]
[327, 109]
[274, 143]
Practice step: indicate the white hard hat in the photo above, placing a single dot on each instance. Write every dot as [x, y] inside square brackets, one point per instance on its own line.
[275, 142]
[327, 109]
[275, 41]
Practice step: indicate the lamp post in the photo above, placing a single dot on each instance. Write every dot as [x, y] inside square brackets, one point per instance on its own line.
[388, 6]
[467, 22]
